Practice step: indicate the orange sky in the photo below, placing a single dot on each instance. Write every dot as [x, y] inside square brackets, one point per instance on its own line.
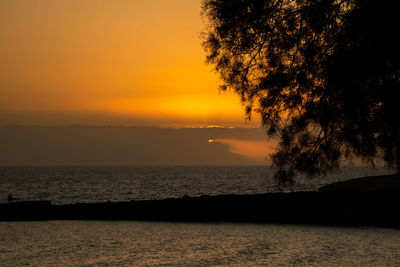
[103, 62]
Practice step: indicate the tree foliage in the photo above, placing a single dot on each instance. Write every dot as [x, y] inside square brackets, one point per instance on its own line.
[323, 75]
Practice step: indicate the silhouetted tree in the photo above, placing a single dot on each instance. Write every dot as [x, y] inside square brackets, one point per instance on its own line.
[323, 75]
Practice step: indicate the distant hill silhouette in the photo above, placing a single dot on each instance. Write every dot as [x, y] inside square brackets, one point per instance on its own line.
[120, 145]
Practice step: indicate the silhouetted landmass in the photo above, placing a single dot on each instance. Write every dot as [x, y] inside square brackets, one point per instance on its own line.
[336, 204]
[382, 183]
[121, 145]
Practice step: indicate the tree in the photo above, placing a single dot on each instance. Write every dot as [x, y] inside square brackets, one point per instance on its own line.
[323, 75]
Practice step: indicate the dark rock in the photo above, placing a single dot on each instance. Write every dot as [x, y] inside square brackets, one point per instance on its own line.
[366, 184]
[327, 206]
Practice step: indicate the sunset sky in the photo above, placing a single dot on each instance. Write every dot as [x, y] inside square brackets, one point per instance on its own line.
[98, 62]
[115, 63]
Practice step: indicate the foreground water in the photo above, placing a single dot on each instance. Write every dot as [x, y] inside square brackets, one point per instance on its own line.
[127, 243]
[120, 243]
[74, 184]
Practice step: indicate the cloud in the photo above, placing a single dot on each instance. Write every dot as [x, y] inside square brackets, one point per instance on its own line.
[249, 148]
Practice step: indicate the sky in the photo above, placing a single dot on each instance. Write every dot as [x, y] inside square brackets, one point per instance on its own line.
[129, 63]
[100, 62]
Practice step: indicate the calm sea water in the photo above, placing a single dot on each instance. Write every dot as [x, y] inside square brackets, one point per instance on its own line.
[82, 243]
[98, 184]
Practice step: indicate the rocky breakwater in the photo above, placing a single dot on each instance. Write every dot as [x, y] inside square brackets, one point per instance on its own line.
[333, 204]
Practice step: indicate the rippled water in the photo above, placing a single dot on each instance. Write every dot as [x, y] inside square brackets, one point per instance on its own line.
[120, 243]
[93, 184]
[82, 243]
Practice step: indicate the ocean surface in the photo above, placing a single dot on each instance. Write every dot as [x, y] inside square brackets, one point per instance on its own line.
[126, 243]
[130, 243]
[73, 184]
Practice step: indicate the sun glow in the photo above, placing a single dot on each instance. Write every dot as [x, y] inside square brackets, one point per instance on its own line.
[125, 59]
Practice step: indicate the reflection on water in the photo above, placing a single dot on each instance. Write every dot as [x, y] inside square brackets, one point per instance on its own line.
[98, 184]
[72, 243]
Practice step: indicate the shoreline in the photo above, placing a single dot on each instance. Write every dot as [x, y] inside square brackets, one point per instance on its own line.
[367, 201]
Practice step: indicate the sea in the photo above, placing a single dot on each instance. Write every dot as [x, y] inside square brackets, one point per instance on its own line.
[131, 243]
